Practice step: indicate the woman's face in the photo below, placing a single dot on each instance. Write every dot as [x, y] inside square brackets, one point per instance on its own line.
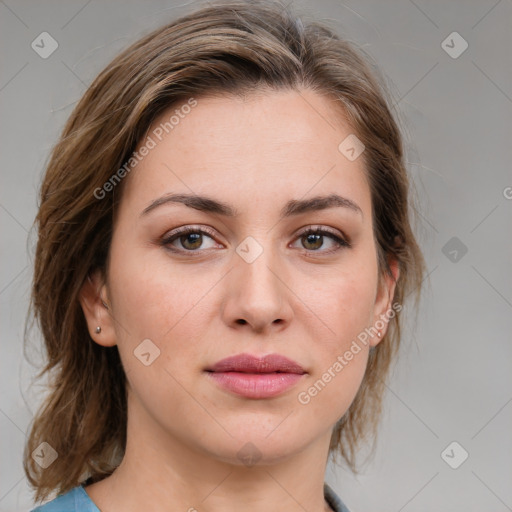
[247, 279]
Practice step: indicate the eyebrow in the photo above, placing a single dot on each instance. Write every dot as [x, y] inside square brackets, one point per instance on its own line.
[291, 208]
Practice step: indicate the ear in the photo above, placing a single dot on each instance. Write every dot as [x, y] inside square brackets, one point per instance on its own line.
[95, 305]
[383, 301]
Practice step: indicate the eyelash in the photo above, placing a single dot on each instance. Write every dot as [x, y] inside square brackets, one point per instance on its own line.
[167, 240]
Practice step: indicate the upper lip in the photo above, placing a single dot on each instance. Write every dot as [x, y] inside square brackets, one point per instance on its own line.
[247, 363]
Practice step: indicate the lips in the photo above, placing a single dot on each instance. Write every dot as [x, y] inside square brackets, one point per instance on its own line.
[256, 377]
[246, 363]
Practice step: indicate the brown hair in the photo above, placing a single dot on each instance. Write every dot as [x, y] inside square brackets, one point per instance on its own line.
[234, 47]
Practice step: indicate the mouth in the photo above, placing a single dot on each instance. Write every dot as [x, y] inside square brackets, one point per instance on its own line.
[247, 363]
[256, 377]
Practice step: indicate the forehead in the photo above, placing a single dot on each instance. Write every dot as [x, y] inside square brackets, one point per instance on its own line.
[260, 147]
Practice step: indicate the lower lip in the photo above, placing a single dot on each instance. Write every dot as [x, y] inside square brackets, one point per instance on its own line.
[256, 385]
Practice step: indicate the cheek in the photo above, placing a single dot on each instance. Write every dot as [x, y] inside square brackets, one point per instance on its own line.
[348, 301]
[151, 295]
[341, 363]
[152, 300]
[347, 308]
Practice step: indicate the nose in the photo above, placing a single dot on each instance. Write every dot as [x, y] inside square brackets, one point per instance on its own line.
[258, 297]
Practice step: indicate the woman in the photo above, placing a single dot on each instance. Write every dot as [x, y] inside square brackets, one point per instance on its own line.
[224, 249]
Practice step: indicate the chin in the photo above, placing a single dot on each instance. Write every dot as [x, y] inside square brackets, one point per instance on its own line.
[253, 445]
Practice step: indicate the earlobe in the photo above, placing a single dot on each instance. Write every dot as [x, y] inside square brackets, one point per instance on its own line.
[384, 311]
[94, 301]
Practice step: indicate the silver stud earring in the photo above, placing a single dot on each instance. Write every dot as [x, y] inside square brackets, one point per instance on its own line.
[379, 334]
[98, 329]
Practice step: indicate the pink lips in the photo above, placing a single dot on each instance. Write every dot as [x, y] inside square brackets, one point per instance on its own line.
[256, 377]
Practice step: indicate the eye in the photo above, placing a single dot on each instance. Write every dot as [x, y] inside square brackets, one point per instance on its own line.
[313, 239]
[190, 239]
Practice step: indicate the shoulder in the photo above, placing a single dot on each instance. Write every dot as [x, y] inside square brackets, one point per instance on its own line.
[75, 500]
[334, 500]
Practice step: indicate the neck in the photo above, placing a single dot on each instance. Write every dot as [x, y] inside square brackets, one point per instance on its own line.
[164, 471]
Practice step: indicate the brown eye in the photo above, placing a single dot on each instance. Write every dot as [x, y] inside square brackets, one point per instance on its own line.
[189, 239]
[315, 239]
[312, 241]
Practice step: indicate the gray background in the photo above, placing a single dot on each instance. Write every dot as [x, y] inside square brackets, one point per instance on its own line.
[453, 381]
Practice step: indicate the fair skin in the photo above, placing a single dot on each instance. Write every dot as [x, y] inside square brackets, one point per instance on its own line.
[300, 298]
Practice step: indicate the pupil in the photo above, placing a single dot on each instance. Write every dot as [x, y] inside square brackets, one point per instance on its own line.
[195, 237]
[312, 238]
